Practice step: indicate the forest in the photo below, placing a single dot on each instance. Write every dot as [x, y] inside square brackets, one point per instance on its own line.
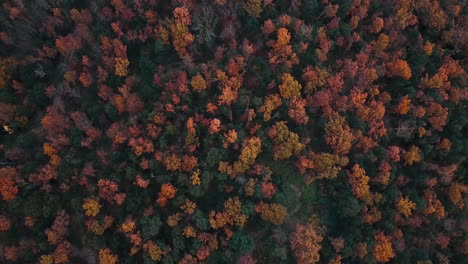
[233, 131]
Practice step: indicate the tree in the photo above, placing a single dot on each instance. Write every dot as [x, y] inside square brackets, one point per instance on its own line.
[393, 153]
[172, 162]
[455, 194]
[286, 143]
[67, 44]
[5, 224]
[382, 42]
[405, 206]
[359, 181]
[128, 225]
[412, 155]
[377, 25]
[251, 148]
[326, 166]
[231, 216]
[437, 115]
[229, 138]
[434, 205]
[150, 226]
[305, 243]
[8, 188]
[91, 207]
[106, 257]
[338, 134]
[198, 83]
[314, 78]
[86, 79]
[268, 189]
[154, 251]
[107, 189]
[215, 126]
[4, 71]
[360, 250]
[242, 243]
[121, 67]
[383, 250]
[297, 110]
[181, 37]
[268, 27]
[167, 192]
[282, 52]
[7, 112]
[54, 123]
[404, 106]
[273, 213]
[253, 7]
[444, 145]
[399, 68]
[289, 86]
[272, 102]
[324, 44]
[58, 231]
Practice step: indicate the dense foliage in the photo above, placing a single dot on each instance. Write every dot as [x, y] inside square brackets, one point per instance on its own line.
[233, 131]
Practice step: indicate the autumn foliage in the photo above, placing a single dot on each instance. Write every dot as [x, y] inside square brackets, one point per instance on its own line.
[215, 131]
[8, 188]
[306, 244]
[383, 250]
[399, 68]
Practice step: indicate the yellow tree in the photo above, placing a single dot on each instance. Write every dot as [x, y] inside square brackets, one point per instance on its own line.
[251, 148]
[286, 143]
[253, 7]
[405, 206]
[326, 166]
[338, 134]
[121, 67]
[231, 216]
[198, 83]
[412, 155]
[305, 243]
[289, 86]
[455, 194]
[272, 101]
[274, 213]
[91, 207]
[359, 181]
